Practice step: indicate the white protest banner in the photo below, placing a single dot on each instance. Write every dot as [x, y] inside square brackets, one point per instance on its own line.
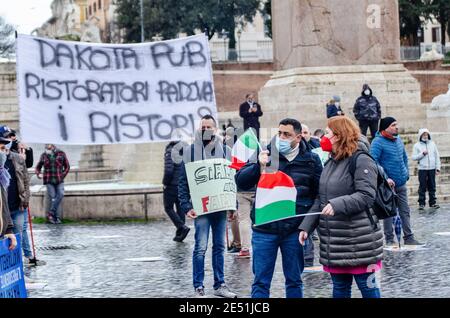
[86, 93]
[212, 186]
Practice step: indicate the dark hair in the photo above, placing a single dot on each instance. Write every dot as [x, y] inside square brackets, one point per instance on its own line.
[248, 95]
[294, 123]
[319, 132]
[207, 117]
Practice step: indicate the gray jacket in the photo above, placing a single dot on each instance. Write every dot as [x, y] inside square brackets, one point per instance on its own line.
[348, 238]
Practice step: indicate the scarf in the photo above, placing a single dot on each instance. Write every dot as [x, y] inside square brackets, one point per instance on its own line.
[387, 135]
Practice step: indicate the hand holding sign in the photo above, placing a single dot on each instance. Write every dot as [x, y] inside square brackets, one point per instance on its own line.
[13, 239]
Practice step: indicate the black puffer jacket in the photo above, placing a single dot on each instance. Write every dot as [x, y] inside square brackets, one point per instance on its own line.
[171, 169]
[348, 238]
[304, 170]
[367, 107]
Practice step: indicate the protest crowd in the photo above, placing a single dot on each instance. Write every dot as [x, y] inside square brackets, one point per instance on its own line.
[328, 191]
[336, 186]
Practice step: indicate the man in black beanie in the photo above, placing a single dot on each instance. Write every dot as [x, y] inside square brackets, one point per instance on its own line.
[389, 152]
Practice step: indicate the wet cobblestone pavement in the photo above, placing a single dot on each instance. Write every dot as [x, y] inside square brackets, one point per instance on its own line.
[91, 261]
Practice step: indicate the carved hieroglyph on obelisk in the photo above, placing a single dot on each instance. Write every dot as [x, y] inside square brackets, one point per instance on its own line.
[324, 48]
[335, 32]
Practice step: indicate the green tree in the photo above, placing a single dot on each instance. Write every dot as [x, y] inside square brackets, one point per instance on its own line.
[6, 38]
[440, 9]
[411, 12]
[267, 14]
[167, 18]
[128, 19]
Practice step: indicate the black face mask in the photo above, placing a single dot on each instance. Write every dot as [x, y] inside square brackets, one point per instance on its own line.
[15, 146]
[207, 136]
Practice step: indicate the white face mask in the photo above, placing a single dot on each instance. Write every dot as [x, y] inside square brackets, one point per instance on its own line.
[367, 92]
[337, 104]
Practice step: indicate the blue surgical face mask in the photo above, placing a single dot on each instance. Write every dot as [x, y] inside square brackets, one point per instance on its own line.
[283, 146]
[8, 146]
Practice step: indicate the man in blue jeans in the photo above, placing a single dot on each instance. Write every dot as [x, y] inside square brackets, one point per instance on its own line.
[56, 167]
[292, 156]
[206, 146]
[389, 152]
[18, 191]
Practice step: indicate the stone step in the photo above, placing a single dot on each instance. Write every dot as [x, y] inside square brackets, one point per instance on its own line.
[440, 190]
[440, 199]
[445, 170]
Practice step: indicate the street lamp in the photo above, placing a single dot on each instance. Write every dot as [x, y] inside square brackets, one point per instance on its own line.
[224, 35]
[239, 33]
[142, 20]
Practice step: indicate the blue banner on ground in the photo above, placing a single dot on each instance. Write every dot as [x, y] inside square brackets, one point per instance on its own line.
[12, 281]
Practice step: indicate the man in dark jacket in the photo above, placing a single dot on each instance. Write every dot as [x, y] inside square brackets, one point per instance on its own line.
[6, 223]
[207, 145]
[389, 152]
[312, 143]
[20, 148]
[170, 194]
[367, 111]
[18, 193]
[56, 167]
[290, 155]
[250, 111]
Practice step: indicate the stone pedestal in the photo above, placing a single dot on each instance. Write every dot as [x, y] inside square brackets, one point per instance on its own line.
[303, 93]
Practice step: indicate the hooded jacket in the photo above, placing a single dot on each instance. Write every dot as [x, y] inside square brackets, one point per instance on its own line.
[367, 107]
[431, 161]
[348, 238]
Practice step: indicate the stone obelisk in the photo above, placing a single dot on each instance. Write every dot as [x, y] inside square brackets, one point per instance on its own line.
[324, 48]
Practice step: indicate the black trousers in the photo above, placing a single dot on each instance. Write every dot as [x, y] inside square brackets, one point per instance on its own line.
[427, 182]
[368, 124]
[170, 197]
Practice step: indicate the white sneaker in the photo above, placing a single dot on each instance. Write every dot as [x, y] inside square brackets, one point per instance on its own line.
[224, 291]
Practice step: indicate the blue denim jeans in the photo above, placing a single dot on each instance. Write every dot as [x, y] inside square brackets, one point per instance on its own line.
[56, 193]
[217, 222]
[265, 250]
[18, 218]
[342, 285]
[25, 241]
[308, 250]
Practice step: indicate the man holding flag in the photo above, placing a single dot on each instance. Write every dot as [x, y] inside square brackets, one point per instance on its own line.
[287, 178]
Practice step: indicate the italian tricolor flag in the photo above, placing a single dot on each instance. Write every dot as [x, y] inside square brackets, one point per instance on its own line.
[275, 198]
[244, 149]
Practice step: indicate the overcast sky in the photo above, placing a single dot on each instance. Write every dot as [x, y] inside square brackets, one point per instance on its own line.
[25, 15]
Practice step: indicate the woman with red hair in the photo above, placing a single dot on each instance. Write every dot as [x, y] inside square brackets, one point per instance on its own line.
[351, 240]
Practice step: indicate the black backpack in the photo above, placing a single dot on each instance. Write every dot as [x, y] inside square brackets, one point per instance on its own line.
[385, 205]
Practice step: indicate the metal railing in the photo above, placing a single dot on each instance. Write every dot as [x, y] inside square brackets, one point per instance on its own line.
[256, 51]
[411, 53]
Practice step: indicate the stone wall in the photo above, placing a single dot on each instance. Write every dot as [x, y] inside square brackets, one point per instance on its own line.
[433, 76]
[9, 109]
